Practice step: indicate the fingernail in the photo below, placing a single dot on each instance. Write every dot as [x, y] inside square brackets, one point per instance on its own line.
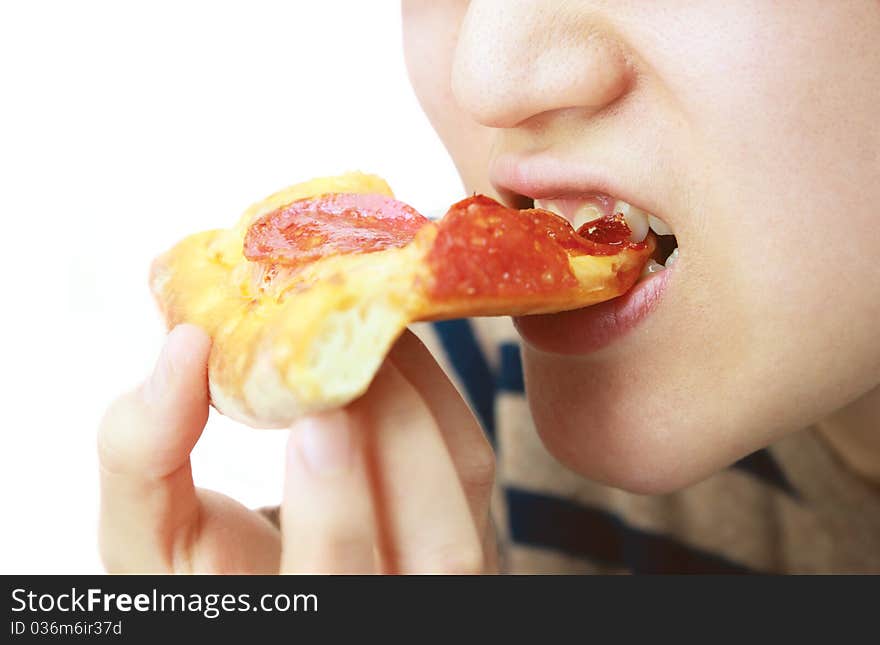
[157, 385]
[325, 442]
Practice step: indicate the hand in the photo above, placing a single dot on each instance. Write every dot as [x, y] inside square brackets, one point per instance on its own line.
[397, 482]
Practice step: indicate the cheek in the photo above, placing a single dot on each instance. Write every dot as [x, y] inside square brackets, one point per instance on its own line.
[783, 270]
[716, 375]
[782, 140]
[430, 31]
[793, 231]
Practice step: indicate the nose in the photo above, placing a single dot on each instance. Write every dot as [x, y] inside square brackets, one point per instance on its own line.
[516, 59]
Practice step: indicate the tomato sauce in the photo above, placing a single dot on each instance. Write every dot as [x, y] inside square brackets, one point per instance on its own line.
[485, 249]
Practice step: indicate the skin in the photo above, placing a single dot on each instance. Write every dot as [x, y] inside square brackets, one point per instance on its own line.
[357, 486]
[751, 128]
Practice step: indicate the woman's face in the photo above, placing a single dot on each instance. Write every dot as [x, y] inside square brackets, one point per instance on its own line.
[752, 129]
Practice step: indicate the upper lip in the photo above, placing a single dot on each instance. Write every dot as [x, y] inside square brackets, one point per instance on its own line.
[547, 176]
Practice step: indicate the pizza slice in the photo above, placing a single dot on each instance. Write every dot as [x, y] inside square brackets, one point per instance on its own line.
[305, 295]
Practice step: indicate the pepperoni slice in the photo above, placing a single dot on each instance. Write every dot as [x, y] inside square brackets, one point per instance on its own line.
[310, 229]
[611, 232]
[486, 249]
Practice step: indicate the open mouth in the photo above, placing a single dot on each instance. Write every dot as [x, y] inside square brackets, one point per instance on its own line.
[586, 330]
[583, 211]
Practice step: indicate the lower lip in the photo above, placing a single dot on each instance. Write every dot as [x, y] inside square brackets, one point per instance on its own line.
[587, 330]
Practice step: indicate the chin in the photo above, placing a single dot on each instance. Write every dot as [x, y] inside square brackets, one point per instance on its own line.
[620, 430]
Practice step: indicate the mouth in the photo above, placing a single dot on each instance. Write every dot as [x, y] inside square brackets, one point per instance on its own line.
[589, 329]
[582, 211]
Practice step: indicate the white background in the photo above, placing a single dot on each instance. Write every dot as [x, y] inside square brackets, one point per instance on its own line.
[123, 127]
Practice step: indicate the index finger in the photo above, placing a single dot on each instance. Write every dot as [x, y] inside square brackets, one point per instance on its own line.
[471, 452]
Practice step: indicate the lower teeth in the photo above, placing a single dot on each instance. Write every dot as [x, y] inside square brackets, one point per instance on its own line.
[655, 267]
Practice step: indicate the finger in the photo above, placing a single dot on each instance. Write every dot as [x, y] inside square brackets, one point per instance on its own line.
[144, 441]
[424, 518]
[468, 446]
[327, 522]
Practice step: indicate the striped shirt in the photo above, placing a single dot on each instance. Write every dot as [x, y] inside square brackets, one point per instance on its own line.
[791, 507]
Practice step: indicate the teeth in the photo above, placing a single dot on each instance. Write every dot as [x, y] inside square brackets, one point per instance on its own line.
[659, 226]
[639, 221]
[549, 205]
[651, 267]
[636, 219]
[584, 214]
[654, 267]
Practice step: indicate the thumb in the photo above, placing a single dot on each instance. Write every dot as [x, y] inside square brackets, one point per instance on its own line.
[144, 441]
[151, 430]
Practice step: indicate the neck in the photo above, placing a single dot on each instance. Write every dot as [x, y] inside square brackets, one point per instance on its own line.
[853, 432]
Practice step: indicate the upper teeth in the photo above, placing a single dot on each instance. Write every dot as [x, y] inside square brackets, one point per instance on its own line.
[636, 219]
[584, 214]
[639, 221]
[659, 226]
